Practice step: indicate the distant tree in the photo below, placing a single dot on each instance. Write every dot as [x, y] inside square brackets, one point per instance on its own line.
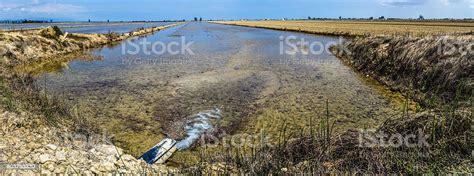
[371, 18]
[195, 18]
[421, 17]
[340, 17]
[50, 21]
[382, 18]
[309, 18]
[108, 21]
[89, 20]
[200, 19]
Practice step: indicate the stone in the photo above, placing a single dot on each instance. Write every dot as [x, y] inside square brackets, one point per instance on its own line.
[94, 170]
[45, 172]
[60, 156]
[33, 145]
[51, 146]
[128, 157]
[106, 149]
[59, 169]
[107, 166]
[43, 158]
[49, 166]
[110, 158]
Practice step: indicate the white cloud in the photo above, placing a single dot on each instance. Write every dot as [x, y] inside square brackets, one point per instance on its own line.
[448, 2]
[469, 3]
[38, 6]
[402, 2]
[55, 8]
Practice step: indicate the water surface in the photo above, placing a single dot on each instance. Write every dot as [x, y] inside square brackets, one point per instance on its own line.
[142, 98]
[82, 27]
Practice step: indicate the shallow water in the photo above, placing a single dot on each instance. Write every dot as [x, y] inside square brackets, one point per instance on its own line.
[139, 99]
[118, 28]
[101, 28]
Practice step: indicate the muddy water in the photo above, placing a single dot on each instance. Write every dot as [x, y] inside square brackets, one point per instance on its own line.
[139, 99]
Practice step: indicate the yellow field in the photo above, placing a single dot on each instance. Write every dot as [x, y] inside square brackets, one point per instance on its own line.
[363, 27]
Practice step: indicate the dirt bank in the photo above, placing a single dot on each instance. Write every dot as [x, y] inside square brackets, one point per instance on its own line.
[32, 46]
[434, 70]
[426, 69]
[25, 139]
[39, 129]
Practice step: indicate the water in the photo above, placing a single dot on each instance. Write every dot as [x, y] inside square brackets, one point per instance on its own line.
[41, 25]
[101, 28]
[142, 98]
[199, 124]
[119, 28]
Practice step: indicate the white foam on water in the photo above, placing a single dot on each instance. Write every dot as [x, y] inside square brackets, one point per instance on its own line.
[199, 124]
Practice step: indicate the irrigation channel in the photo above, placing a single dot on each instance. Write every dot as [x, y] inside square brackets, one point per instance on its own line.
[140, 98]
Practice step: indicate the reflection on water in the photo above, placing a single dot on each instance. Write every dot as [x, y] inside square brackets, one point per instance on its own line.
[100, 28]
[118, 28]
[55, 65]
[142, 98]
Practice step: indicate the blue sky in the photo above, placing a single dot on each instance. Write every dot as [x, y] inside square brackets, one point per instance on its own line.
[82, 10]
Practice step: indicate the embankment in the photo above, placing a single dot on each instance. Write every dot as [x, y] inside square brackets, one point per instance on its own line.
[436, 70]
[32, 46]
[426, 69]
[36, 128]
[26, 139]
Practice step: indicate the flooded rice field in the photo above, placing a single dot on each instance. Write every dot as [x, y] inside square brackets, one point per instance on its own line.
[141, 98]
[101, 28]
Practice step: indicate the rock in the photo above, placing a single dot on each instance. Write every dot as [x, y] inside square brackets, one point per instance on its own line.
[59, 169]
[45, 172]
[110, 158]
[128, 157]
[94, 170]
[104, 166]
[60, 156]
[51, 146]
[3, 144]
[49, 166]
[43, 158]
[106, 149]
[107, 166]
[33, 145]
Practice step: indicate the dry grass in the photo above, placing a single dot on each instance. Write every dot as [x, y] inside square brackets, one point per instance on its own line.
[350, 28]
[432, 67]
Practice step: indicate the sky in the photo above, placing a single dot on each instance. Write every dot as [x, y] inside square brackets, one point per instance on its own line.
[126, 10]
